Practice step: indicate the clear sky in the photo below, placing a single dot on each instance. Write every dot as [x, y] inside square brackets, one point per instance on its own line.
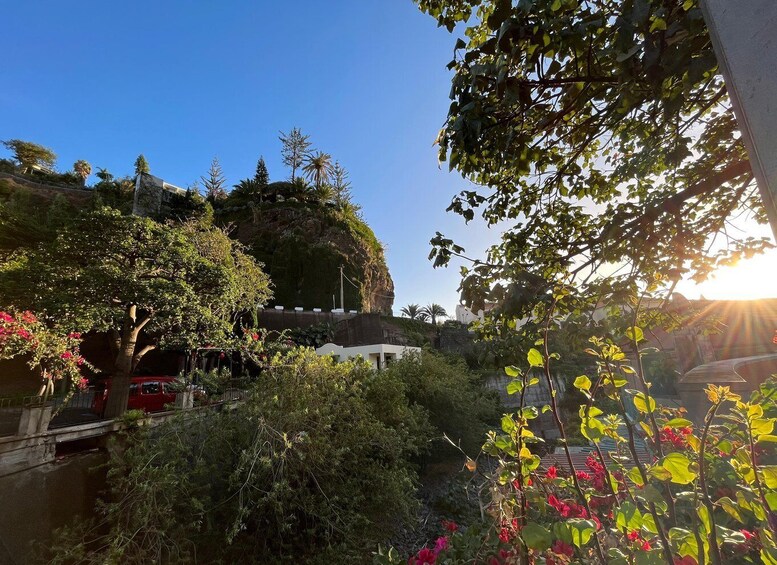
[182, 82]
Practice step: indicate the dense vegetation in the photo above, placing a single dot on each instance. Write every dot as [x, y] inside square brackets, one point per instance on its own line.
[317, 466]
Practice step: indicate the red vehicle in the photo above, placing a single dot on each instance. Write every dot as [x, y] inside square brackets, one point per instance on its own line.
[150, 394]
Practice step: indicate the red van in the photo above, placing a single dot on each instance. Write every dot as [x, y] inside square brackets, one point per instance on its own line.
[150, 394]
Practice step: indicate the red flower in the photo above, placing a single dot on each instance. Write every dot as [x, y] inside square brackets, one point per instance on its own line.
[74, 335]
[255, 336]
[441, 544]
[748, 534]
[66, 355]
[687, 560]
[551, 473]
[633, 535]
[450, 526]
[561, 548]
[504, 535]
[582, 476]
[424, 557]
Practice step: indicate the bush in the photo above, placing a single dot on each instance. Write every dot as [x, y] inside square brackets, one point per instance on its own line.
[453, 397]
[707, 493]
[313, 468]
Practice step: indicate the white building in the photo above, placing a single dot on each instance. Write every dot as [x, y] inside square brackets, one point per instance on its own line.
[379, 355]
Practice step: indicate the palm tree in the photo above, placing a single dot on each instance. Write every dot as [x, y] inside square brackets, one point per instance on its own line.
[434, 311]
[412, 311]
[82, 169]
[318, 168]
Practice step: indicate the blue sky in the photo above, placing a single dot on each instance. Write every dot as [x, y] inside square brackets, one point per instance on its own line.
[182, 82]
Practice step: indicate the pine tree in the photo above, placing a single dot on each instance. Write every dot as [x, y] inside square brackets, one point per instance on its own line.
[295, 147]
[141, 165]
[214, 182]
[262, 177]
[341, 184]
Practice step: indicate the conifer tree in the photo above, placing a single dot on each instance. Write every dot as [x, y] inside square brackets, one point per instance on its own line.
[214, 182]
[341, 184]
[262, 176]
[141, 165]
[295, 147]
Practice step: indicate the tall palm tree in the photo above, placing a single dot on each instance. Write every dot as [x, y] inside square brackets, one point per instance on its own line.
[83, 169]
[434, 311]
[318, 168]
[412, 311]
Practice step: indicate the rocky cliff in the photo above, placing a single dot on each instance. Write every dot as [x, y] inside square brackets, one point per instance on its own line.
[303, 245]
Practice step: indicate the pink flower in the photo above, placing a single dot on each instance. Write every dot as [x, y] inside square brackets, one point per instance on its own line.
[83, 383]
[74, 335]
[28, 317]
[441, 544]
[424, 557]
[504, 535]
[66, 355]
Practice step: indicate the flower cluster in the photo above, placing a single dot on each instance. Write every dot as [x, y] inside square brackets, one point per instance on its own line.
[54, 356]
[678, 438]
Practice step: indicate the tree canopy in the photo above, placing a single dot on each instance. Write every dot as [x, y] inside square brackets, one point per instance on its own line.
[141, 165]
[180, 285]
[603, 134]
[30, 154]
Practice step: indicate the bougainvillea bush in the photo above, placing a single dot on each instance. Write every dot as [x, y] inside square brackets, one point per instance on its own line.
[55, 356]
[706, 494]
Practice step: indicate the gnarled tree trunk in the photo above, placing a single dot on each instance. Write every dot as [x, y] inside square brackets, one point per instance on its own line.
[126, 360]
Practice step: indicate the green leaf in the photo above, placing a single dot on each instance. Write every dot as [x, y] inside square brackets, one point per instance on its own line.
[582, 531]
[644, 404]
[679, 423]
[678, 466]
[635, 333]
[628, 516]
[514, 386]
[769, 473]
[536, 537]
[508, 424]
[535, 358]
[583, 383]
[512, 371]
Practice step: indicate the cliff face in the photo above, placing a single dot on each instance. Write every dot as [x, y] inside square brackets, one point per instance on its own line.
[303, 245]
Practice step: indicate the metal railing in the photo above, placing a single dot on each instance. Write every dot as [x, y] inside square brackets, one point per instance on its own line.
[11, 412]
[78, 409]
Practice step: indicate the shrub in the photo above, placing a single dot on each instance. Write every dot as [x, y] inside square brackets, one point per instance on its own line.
[454, 397]
[312, 468]
[708, 494]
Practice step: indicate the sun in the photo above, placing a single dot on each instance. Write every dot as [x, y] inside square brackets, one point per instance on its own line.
[748, 280]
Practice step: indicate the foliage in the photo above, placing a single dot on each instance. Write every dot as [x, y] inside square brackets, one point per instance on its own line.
[341, 185]
[179, 285]
[83, 169]
[318, 168]
[30, 155]
[312, 336]
[141, 165]
[262, 176]
[454, 398]
[214, 183]
[434, 311]
[54, 355]
[605, 129]
[414, 312]
[295, 147]
[312, 468]
[705, 496]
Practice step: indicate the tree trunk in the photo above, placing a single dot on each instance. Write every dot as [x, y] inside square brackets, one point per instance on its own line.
[118, 394]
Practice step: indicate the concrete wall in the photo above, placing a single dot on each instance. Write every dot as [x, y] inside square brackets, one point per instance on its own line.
[35, 502]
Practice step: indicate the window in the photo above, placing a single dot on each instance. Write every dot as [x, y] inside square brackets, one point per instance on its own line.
[133, 389]
[168, 388]
[151, 388]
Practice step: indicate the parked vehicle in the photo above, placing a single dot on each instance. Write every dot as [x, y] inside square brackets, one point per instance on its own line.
[150, 394]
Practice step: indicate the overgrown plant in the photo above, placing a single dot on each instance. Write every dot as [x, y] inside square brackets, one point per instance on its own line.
[54, 356]
[707, 494]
